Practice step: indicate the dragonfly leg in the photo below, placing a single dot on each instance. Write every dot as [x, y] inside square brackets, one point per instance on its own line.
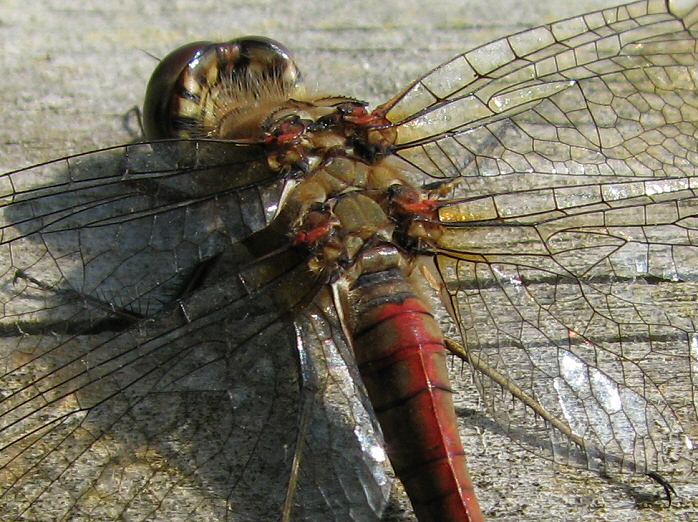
[669, 490]
[137, 131]
[508, 385]
[121, 313]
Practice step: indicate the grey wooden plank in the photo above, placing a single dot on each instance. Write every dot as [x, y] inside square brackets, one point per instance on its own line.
[72, 70]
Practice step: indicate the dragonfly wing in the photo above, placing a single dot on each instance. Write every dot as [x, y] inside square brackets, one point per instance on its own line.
[588, 307]
[584, 95]
[128, 226]
[124, 391]
[150, 416]
[569, 248]
[342, 448]
[614, 361]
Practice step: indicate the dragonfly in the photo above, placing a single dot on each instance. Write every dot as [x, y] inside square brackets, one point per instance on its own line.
[130, 304]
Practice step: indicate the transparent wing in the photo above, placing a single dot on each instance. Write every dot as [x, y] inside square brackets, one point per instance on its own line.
[585, 90]
[579, 288]
[570, 253]
[130, 225]
[611, 352]
[124, 393]
[342, 447]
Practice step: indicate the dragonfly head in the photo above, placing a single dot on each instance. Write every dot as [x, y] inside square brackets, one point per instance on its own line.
[219, 90]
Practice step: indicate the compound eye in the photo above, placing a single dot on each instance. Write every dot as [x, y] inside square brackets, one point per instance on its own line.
[206, 89]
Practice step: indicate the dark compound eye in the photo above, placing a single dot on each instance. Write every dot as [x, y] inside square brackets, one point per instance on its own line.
[218, 90]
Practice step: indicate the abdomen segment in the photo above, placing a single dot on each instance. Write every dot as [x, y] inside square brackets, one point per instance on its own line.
[402, 359]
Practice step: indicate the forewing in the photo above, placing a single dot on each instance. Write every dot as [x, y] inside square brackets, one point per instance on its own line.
[128, 226]
[607, 92]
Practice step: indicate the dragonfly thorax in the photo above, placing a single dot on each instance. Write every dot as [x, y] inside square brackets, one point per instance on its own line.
[300, 135]
[346, 208]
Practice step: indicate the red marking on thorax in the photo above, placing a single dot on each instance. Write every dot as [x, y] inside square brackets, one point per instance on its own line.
[320, 227]
[311, 237]
[410, 202]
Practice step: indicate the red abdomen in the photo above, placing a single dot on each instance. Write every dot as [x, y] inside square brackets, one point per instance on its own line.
[402, 359]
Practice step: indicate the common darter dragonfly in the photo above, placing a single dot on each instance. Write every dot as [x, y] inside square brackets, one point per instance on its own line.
[188, 370]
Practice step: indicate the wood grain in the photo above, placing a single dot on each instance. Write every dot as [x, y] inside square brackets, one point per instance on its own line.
[72, 71]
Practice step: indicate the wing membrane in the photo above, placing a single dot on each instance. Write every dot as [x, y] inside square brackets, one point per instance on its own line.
[594, 357]
[124, 395]
[351, 471]
[580, 293]
[573, 103]
[569, 248]
[77, 402]
[129, 225]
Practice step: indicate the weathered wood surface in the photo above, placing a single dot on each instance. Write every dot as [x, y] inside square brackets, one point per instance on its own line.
[71, 71]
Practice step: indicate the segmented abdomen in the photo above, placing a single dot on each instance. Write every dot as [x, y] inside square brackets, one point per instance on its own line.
[402, 359]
